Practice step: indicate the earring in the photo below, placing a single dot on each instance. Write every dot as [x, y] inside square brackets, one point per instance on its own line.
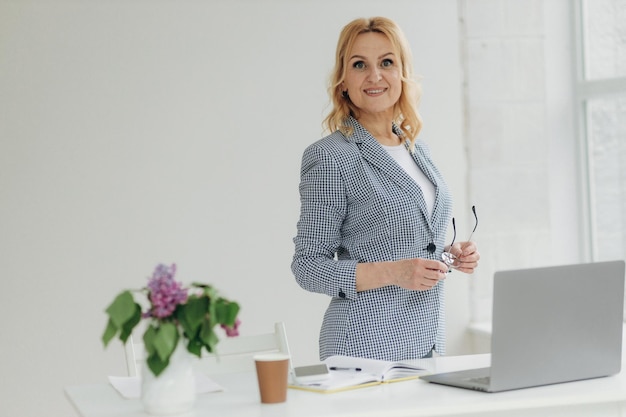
[344, 94]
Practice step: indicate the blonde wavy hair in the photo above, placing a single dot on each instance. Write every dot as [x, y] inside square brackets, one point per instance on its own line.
[406, 116]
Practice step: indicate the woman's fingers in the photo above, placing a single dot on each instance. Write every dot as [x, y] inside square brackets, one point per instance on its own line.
[466, 257]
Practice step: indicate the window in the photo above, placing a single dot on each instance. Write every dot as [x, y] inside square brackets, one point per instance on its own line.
[601, 100]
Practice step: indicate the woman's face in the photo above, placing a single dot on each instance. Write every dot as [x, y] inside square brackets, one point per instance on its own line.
[373, 74]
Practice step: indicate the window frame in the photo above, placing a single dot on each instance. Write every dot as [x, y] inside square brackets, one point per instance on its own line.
[585, 90]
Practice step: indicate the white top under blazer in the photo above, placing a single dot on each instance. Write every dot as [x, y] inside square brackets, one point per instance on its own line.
[401, 155]
[359, 205]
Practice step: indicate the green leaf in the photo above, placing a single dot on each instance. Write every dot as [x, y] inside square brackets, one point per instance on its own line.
[195, 347]
[207, 291]
[226, 312]
[109, 332]
[208, 336]
[124, 314]
[156, 364]
[212, 313]
[187, 332]
[192, 313]
[165, 340]
[148, 340]
[127, 328]
[121, 309]
[160, 343]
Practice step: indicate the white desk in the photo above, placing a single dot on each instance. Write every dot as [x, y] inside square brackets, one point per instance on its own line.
[598, 397]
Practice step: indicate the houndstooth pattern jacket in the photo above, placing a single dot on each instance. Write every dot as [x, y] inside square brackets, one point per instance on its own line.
[359, 205]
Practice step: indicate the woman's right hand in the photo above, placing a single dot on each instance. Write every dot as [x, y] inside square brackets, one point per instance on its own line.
[416, 274]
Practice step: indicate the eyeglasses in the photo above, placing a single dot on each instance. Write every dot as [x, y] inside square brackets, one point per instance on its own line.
[447, 257]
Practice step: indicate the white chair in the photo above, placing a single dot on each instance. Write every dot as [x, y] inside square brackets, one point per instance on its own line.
[233, 354]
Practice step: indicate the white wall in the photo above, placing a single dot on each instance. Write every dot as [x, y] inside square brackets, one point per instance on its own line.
[522, 145]
[523, 149]
[138, 132]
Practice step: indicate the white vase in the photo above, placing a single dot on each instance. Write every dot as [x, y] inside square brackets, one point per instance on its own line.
[174, 390]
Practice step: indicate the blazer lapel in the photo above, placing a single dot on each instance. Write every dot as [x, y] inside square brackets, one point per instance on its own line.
[376, 156]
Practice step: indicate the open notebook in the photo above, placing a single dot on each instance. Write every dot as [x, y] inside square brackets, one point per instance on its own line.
[348, 372]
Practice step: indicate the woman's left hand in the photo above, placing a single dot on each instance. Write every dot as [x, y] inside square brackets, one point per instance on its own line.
[466, 256]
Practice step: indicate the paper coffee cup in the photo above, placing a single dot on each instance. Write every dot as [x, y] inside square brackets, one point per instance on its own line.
[272, 370]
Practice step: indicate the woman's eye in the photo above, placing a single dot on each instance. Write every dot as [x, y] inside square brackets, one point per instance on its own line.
[386, 63]
[359, 65]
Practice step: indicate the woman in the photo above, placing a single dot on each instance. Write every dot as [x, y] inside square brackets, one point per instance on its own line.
[374, 208]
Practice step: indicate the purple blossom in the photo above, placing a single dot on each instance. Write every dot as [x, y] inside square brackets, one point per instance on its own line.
[232, 331]
[165, 293]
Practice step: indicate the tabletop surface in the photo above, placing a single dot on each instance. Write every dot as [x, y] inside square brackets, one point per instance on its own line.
[240, 397]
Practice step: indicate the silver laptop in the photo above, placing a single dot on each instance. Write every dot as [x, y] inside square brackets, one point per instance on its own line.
[551, 325]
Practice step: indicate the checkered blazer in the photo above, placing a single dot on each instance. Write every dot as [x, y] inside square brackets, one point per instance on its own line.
[359, 205]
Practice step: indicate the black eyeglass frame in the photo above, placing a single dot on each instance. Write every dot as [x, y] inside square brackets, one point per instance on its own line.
[447, 256]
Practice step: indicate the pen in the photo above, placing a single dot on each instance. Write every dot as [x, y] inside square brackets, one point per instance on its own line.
[337, 368]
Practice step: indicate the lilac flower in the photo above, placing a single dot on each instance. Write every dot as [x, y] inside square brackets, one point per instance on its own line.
[165, 293]
[232, 331]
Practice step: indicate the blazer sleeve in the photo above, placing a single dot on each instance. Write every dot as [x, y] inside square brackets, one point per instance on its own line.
[323, 208]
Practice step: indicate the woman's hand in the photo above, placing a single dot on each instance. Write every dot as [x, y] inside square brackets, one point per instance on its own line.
[419, 274]
[413, 274]
[466, 256]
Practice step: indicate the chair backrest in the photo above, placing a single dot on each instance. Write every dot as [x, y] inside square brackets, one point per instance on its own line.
[233, 354]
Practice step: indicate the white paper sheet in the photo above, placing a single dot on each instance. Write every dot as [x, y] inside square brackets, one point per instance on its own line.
[130, 386]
